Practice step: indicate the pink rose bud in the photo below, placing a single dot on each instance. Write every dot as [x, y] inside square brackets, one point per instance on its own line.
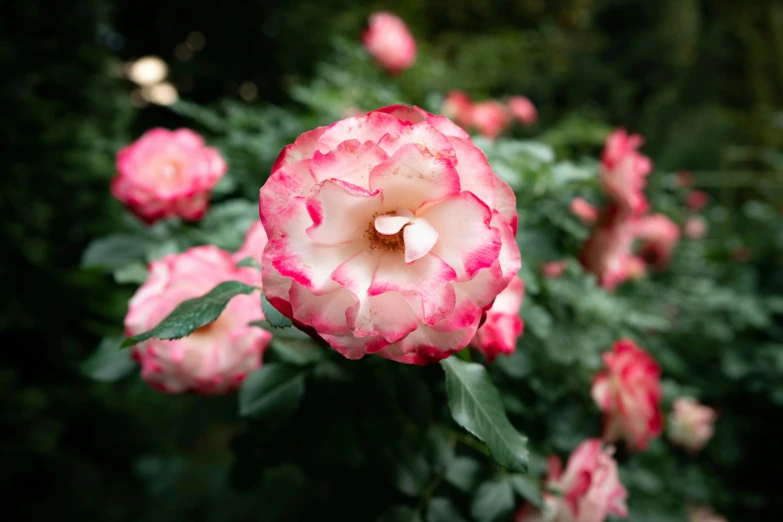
[624, 170]
[490, 118]
[691, 424]
[590, 488]
[389, 233]
[215, 358]
[697, 200]
[695, 227]
[503, 326]
[167, 173]
[659, 235]
[607, 253]
[523, 110]
[459, 107]
[554, 269]
[388, 40]
[703, 514]
[629, 394]
[586, 213]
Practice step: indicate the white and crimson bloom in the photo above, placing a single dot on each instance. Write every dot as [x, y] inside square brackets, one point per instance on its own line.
[389, 233]
[166, 174]
[691, 424]
[215, 358]
[589, 489]
[659, 235]
[388, 40]
[523, 110]
[582, 209]
[629, 394]
[503, 326]
[623, 171]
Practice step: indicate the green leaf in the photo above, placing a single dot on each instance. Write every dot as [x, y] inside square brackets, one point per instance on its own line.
[113, 252]
[135, 272]
[273, 315]
[526, 488]
[476, 406]
[298, 352]
[331, 371]
[107, 363]
[463, 473]
[249, 262]
[494, 499]
[440, 449]
[411, 471]
[192, 314]
[399, 514]
[272, 391]
[442, 510]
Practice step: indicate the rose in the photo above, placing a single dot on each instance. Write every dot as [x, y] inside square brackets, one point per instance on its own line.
[695, 227]
[499, 332]
[254, 244]
[523, 110]
[691, 425]
[458, 106]
[586, 213]
[389, 233]
[167, 173]
[554, 269]
[623, 171]
[659, 234]
[490, 118]
[589, 488]
[608, 251]
[388, 40]
[215, 358]
[628, 391]
[697, 200]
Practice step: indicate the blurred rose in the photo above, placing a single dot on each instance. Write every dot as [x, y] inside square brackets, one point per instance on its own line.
[696, 200]
[659, 235]
[584, 211]
[628, 391]
[590, 486]
[691, 424]
[554, 269]
[490, 118]
[255, 242]
[503, 325]
[458, 106]
[389, 233]
[684, 179]
[607, 252]
[215, 358]
[695, 227]
[389, 41]
[167, 173]
[624, 170]
[523, 110]
[703, 514]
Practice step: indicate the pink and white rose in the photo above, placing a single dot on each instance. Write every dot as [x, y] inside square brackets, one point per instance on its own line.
[691, 424]
[215, 358]
[388, 40]
[586, 212]
[389, 233]
[523, 110]
[589, 487]
[503, 326]
[167, 174]
[608, 252]
[659, 235]
[623, 171]
[628, 391]
[695, 227]
[490, 118]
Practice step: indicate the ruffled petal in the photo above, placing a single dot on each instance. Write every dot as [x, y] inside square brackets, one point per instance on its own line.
[341, 212]
[325, 313]
[301, 149]
[413, 176]
[351, 161]
[419, 237]
[421, 133]
[368, 127]
[281, 188]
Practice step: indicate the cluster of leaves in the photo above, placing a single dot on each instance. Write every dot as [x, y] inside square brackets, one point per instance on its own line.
[320, 436]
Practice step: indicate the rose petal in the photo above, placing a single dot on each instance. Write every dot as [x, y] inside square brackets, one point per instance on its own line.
[419, 237]
[341, 212]
[351, 161]
[368, 127]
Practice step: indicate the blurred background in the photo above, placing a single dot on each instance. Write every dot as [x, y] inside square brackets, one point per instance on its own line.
[702, 80]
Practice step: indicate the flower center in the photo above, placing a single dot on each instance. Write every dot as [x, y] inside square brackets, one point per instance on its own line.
[383, 241]
[402, 230]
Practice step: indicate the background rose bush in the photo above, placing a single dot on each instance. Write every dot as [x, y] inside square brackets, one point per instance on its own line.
[708, 318]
